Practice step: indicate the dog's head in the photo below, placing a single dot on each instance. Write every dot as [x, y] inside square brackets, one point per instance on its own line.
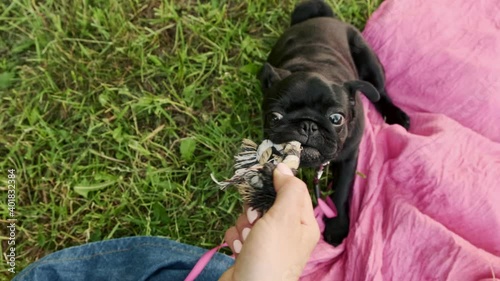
[307, 108]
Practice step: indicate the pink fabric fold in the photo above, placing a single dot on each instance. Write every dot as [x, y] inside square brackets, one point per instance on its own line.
[429, 208]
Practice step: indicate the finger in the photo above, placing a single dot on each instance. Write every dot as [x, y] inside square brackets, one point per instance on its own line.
[243, 226]
[252, 214]
[293, 195]
[290, 192]
[232, 238]
[281, 173]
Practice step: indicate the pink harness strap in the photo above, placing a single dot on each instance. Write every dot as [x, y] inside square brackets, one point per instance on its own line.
[326, 209]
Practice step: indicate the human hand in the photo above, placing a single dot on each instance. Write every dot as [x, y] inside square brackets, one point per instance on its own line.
[279, 244]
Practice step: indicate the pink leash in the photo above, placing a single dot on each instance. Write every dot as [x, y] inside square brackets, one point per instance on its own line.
[202, 262]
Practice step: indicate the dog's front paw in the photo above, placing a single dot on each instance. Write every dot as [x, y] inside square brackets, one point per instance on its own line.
[336, 229]
[397, 116]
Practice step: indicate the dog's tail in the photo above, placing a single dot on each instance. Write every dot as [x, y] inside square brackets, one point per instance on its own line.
[311, 9]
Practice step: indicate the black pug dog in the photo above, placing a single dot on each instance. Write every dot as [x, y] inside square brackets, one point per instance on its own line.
[310, 84]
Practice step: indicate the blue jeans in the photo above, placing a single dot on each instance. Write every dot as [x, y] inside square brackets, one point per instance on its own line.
[133, 258]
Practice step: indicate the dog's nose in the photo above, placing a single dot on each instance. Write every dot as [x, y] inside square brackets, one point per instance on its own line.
[308, 128]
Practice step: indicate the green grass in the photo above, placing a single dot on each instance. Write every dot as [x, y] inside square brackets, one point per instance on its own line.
[114, 113]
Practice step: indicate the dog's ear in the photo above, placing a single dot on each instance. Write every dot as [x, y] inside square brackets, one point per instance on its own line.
[366, 88]
[269, 75]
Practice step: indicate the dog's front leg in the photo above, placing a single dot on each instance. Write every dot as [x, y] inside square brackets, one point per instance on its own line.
[344, 171]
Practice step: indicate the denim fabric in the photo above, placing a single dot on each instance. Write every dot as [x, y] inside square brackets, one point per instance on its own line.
[133, 258]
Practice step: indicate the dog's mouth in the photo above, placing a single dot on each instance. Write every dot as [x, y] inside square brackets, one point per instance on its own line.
[313, 153]
[311, 157]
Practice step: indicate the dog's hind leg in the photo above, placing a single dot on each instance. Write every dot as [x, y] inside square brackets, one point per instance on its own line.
[370, 70]
[311, 9]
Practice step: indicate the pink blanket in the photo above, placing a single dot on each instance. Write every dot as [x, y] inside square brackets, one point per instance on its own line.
[429, 208]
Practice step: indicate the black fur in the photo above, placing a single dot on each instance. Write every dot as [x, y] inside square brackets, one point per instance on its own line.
[311, 81]
[311, 9]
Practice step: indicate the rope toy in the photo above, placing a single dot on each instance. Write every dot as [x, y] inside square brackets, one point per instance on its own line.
[254, 166]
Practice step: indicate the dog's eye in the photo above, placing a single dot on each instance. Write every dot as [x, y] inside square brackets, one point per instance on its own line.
[274, 117]
[337, 119]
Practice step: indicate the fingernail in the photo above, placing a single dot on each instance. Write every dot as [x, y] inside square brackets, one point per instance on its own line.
[282, 168]
[244, 233]
[237, 246]
[252, 215]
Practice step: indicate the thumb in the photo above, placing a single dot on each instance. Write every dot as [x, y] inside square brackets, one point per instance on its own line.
[292, 196]
[290, 191]
[281, 174]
